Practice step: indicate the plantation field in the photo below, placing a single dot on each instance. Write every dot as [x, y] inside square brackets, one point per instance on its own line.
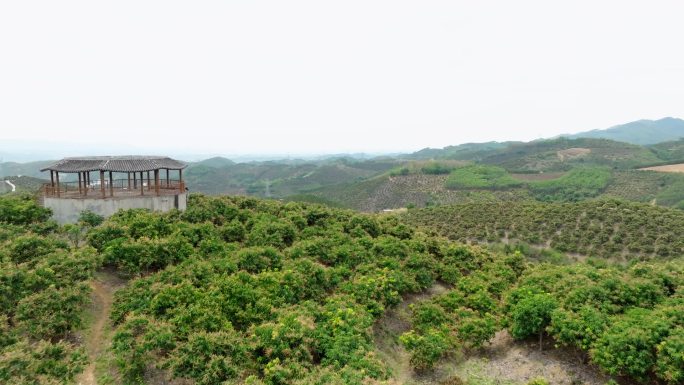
[419, 190]
[239, 290]
[605, 228]
[44, 291]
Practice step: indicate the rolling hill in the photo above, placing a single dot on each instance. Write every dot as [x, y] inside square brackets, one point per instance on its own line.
[467, 151]
[29, 169]
[22, 184]
[279, 179]
[419, 179]
[642, 132]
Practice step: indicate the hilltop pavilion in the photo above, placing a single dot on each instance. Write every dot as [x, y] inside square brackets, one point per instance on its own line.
[106, 184]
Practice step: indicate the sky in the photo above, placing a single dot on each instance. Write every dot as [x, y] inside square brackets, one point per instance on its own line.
[315, 77]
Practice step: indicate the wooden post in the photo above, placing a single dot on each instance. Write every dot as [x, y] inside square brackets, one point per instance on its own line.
[135, 181]
[86, 183]
[149, 185]
[129, 180]
[156, 182]
[111, 185]
[181, 185]
[57, 178]
[167, 177]
[102, 184]
[79, 183]
[52, 182]
[142, 185]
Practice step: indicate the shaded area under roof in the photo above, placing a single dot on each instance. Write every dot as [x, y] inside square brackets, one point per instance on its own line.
[128, 163]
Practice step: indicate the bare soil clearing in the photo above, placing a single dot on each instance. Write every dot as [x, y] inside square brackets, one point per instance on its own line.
[517, 362]
[502, 362]
[572, 153]
[667, 168]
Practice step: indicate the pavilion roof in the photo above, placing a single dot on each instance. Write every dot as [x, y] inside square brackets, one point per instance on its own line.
[128, 163]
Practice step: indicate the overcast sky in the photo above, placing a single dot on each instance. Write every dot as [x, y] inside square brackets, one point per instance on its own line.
[289, 76]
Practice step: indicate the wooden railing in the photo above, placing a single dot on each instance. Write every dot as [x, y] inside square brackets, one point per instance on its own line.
[118, 187]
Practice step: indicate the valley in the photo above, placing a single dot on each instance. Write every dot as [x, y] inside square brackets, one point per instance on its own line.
[550, 262]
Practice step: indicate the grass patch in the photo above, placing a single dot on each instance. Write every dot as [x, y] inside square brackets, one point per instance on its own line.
[672, 195]
[106, 372]
[481, 177]
[576, 185]
[472, 372]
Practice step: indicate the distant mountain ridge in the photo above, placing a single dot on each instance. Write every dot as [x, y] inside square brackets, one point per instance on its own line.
[641, 132]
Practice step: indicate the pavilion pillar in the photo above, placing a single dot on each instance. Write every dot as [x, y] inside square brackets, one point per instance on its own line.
[57, 178]
[181, 185]
[135, 181]
[129, 180]
[111, 185]
[149, 185]
[102, 184]
[52, 182]
[79, 183]
[167, 177]
[156, 182]
[86, 184]
[142, 185]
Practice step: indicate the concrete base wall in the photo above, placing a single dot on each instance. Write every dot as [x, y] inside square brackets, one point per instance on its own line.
[68, 210]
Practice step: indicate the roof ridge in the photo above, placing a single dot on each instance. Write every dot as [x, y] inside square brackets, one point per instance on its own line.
[131, 163]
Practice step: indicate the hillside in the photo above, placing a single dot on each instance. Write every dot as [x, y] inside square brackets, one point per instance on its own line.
[417, 189]
[642, 132]
[22, 184]
[669, 151]
[563, 154]
[31, 169]
[216, 162]
[420, 190]
[549, 155]
[238, 290]
[419, 179]
[467, 151]
[279, 179]
[603, 228]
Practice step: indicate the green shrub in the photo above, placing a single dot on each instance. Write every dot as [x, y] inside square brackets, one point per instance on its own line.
[426, 348]
[22, 210]
[531, 315]
[436, 168]
[576, 185]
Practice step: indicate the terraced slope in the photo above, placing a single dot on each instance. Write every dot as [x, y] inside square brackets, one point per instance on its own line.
[419, 190]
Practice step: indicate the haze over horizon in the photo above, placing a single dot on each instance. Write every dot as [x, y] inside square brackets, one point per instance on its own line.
[307, 77]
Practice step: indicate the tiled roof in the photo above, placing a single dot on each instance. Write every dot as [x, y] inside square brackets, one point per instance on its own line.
[130, 163]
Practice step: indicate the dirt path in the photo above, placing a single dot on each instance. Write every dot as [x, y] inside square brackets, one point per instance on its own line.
[104, 286]
[388, 329]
